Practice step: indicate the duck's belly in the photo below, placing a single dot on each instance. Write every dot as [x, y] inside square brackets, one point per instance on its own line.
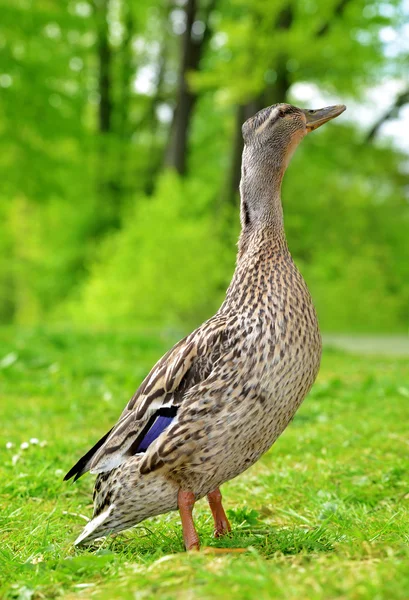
[275, 391]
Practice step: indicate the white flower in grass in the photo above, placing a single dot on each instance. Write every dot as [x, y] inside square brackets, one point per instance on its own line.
[58, 472]
[43, 443]
[9, 445]
[14, 459]
[34, 441]
[37, 559]
[24, 445]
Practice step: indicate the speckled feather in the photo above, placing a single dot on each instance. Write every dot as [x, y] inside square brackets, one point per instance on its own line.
[237, 380]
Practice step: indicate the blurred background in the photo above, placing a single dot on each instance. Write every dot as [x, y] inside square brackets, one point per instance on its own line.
[120, 151]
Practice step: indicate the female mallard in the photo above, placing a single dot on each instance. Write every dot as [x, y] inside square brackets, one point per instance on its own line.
[221, 397]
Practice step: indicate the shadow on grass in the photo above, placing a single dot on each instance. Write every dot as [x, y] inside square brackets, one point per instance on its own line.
[145, 543]
[269, 541]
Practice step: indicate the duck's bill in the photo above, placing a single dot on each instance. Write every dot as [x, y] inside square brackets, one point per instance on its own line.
[316, 118]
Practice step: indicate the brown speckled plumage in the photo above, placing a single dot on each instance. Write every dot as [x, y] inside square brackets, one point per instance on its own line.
[235, 383]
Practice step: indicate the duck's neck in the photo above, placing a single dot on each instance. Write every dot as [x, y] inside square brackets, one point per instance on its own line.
[261, 211]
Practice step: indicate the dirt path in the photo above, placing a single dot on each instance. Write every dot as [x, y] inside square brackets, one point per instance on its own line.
[390, 345]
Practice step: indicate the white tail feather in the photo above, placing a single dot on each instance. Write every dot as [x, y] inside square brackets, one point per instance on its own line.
[94, 524]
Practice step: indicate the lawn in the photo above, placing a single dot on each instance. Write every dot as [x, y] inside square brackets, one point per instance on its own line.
[324, 514]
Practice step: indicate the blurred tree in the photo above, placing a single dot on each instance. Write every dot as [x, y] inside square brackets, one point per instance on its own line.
[322, 42]
[401, 100]
[274, 92]
[44, 91]
[97, 95]
[194, 41]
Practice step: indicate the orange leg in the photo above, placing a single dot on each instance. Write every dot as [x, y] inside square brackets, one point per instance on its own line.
[186, 502]
[221, 522]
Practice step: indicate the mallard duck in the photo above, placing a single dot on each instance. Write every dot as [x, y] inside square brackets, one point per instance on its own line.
[220, 397]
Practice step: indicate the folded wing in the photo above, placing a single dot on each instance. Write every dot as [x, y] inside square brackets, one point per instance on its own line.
[155, 404]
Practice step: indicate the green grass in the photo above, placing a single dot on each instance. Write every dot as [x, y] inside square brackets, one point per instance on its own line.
[324, 514]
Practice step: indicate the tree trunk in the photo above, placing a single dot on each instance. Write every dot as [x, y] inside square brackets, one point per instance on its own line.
[127, 72]
[104, 66]
[122, 122]
[192, 48]
[156, 155]
[393, 113]
[107, 214]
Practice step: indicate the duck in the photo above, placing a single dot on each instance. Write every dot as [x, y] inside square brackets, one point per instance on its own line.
[220, 398]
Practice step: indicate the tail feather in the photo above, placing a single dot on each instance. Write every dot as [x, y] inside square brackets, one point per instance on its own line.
[90, 531]
[122, 499]
[82, 466]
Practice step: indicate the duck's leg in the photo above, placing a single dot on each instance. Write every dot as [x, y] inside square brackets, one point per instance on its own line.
[186, 502]
[221, 522]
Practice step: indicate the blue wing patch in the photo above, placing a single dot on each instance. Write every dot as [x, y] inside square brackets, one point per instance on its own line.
[159, 425]
[156, 425]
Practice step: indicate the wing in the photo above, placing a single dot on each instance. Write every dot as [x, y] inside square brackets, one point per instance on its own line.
[208, 407]
[155, 404]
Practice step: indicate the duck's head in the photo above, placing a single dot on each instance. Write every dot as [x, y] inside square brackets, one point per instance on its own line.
[274, 132]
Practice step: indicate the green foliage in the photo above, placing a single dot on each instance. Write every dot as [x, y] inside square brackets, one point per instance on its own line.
[92, 229]
[346, 222]
[166, 266]
[346, 217]
[323, 514]
[312, 41]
